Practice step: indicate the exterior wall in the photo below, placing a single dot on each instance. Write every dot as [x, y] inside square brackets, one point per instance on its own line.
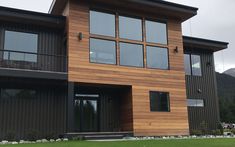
[207, 83]
[51, 50]
[142, 80]
[40, 116]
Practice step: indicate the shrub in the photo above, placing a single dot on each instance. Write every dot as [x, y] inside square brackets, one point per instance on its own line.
[216, 132]
[204, 127]
[10, 136]
[32, 135]
[196, 132]
[233, 131]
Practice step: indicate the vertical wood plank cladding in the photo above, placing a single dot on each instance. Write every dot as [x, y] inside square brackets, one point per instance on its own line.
[142, 80]
[209, 113]
[43, 114]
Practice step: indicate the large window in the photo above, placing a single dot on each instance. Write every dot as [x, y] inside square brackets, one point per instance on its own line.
[132, 41]
[130, 28]
[102, 51]
[7, 94]
[102, 23]
[20, 46]
[159, 101]
[195, 103]
[157, 57]
[156, 32]
[192, 65]
[131, 54]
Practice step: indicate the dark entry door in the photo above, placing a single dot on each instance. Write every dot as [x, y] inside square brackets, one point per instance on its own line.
[86, 114]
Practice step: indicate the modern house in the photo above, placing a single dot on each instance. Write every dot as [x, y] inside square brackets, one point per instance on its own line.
[116, 66]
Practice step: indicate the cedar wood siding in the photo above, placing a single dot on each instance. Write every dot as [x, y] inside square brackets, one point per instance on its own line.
[207, 83]
[142, 80]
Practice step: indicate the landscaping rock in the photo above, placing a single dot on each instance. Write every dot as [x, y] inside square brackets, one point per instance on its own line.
[44, 140]
[58, 140]
[65, 139]
[52, 140]
[4, 142]
[14, 142]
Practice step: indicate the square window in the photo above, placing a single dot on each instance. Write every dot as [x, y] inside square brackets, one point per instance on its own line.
[102, 51]
[20, 46]
[130, 28]
[102, 23]
[159, 101]
[156, 32]
[131, 55]
[157, 57]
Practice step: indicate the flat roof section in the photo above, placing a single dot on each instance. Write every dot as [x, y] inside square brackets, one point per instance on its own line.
[30, 17]
[205, 44]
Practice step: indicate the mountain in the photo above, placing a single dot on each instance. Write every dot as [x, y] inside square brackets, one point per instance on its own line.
[226, 93]
[230, 72]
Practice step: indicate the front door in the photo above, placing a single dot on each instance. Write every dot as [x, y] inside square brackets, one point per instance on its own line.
[86, 114]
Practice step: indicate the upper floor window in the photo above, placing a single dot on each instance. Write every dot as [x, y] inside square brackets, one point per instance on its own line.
[136, 52]
[157, 57]
[20, 46]
[102, 23]
[102, 51]
[126, 43]
[195, 103]
[159, 101]
[156, 32]
[192, 65]
[130, 28]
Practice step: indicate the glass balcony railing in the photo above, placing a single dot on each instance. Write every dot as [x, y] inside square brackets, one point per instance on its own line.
[32, 61]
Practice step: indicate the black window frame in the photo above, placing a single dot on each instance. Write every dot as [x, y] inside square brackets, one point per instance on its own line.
[156, 109]
[191, 65]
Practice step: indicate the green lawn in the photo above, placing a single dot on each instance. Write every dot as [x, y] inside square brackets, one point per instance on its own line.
[146, 143]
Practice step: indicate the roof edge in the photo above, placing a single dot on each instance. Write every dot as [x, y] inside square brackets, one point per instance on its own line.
[202, 43]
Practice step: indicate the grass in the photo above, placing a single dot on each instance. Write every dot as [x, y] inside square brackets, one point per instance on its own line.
[145, 143]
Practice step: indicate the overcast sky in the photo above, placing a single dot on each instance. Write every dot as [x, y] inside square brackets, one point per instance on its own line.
[215, 20]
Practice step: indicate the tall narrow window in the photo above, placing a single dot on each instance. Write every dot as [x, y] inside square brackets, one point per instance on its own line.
[159, 101]
[102, 51]
[130, 28]
[102, 23]
[20, 46]
[131, 55]
[157, 57]
[196, 65]
[187, 64]
[156, 32]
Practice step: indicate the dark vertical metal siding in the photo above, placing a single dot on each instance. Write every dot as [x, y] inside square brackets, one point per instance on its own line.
[207, 83]
[50, 42]
[44, 114]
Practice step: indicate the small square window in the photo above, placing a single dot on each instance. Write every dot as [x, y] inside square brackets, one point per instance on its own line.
[159, 101]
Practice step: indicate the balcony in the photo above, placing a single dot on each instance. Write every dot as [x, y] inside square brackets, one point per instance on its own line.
[34, 62]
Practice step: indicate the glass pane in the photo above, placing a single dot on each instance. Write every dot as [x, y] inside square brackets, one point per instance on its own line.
[156, 32]
[102, 23]
[196, 65]
[131, 54]
[90, 116]
[130, 28]
[187, 66]
[159, 101]
[23, 42]
[195, 103]
[102, 51]
[157, 57]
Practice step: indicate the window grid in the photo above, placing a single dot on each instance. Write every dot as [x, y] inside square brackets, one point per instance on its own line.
[144, 42]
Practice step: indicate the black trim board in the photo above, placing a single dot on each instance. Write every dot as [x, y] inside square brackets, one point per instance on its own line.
[5, 72]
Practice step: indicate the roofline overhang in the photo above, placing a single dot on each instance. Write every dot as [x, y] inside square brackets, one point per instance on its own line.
[32, 18]
[183, 11]
[203, 44]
